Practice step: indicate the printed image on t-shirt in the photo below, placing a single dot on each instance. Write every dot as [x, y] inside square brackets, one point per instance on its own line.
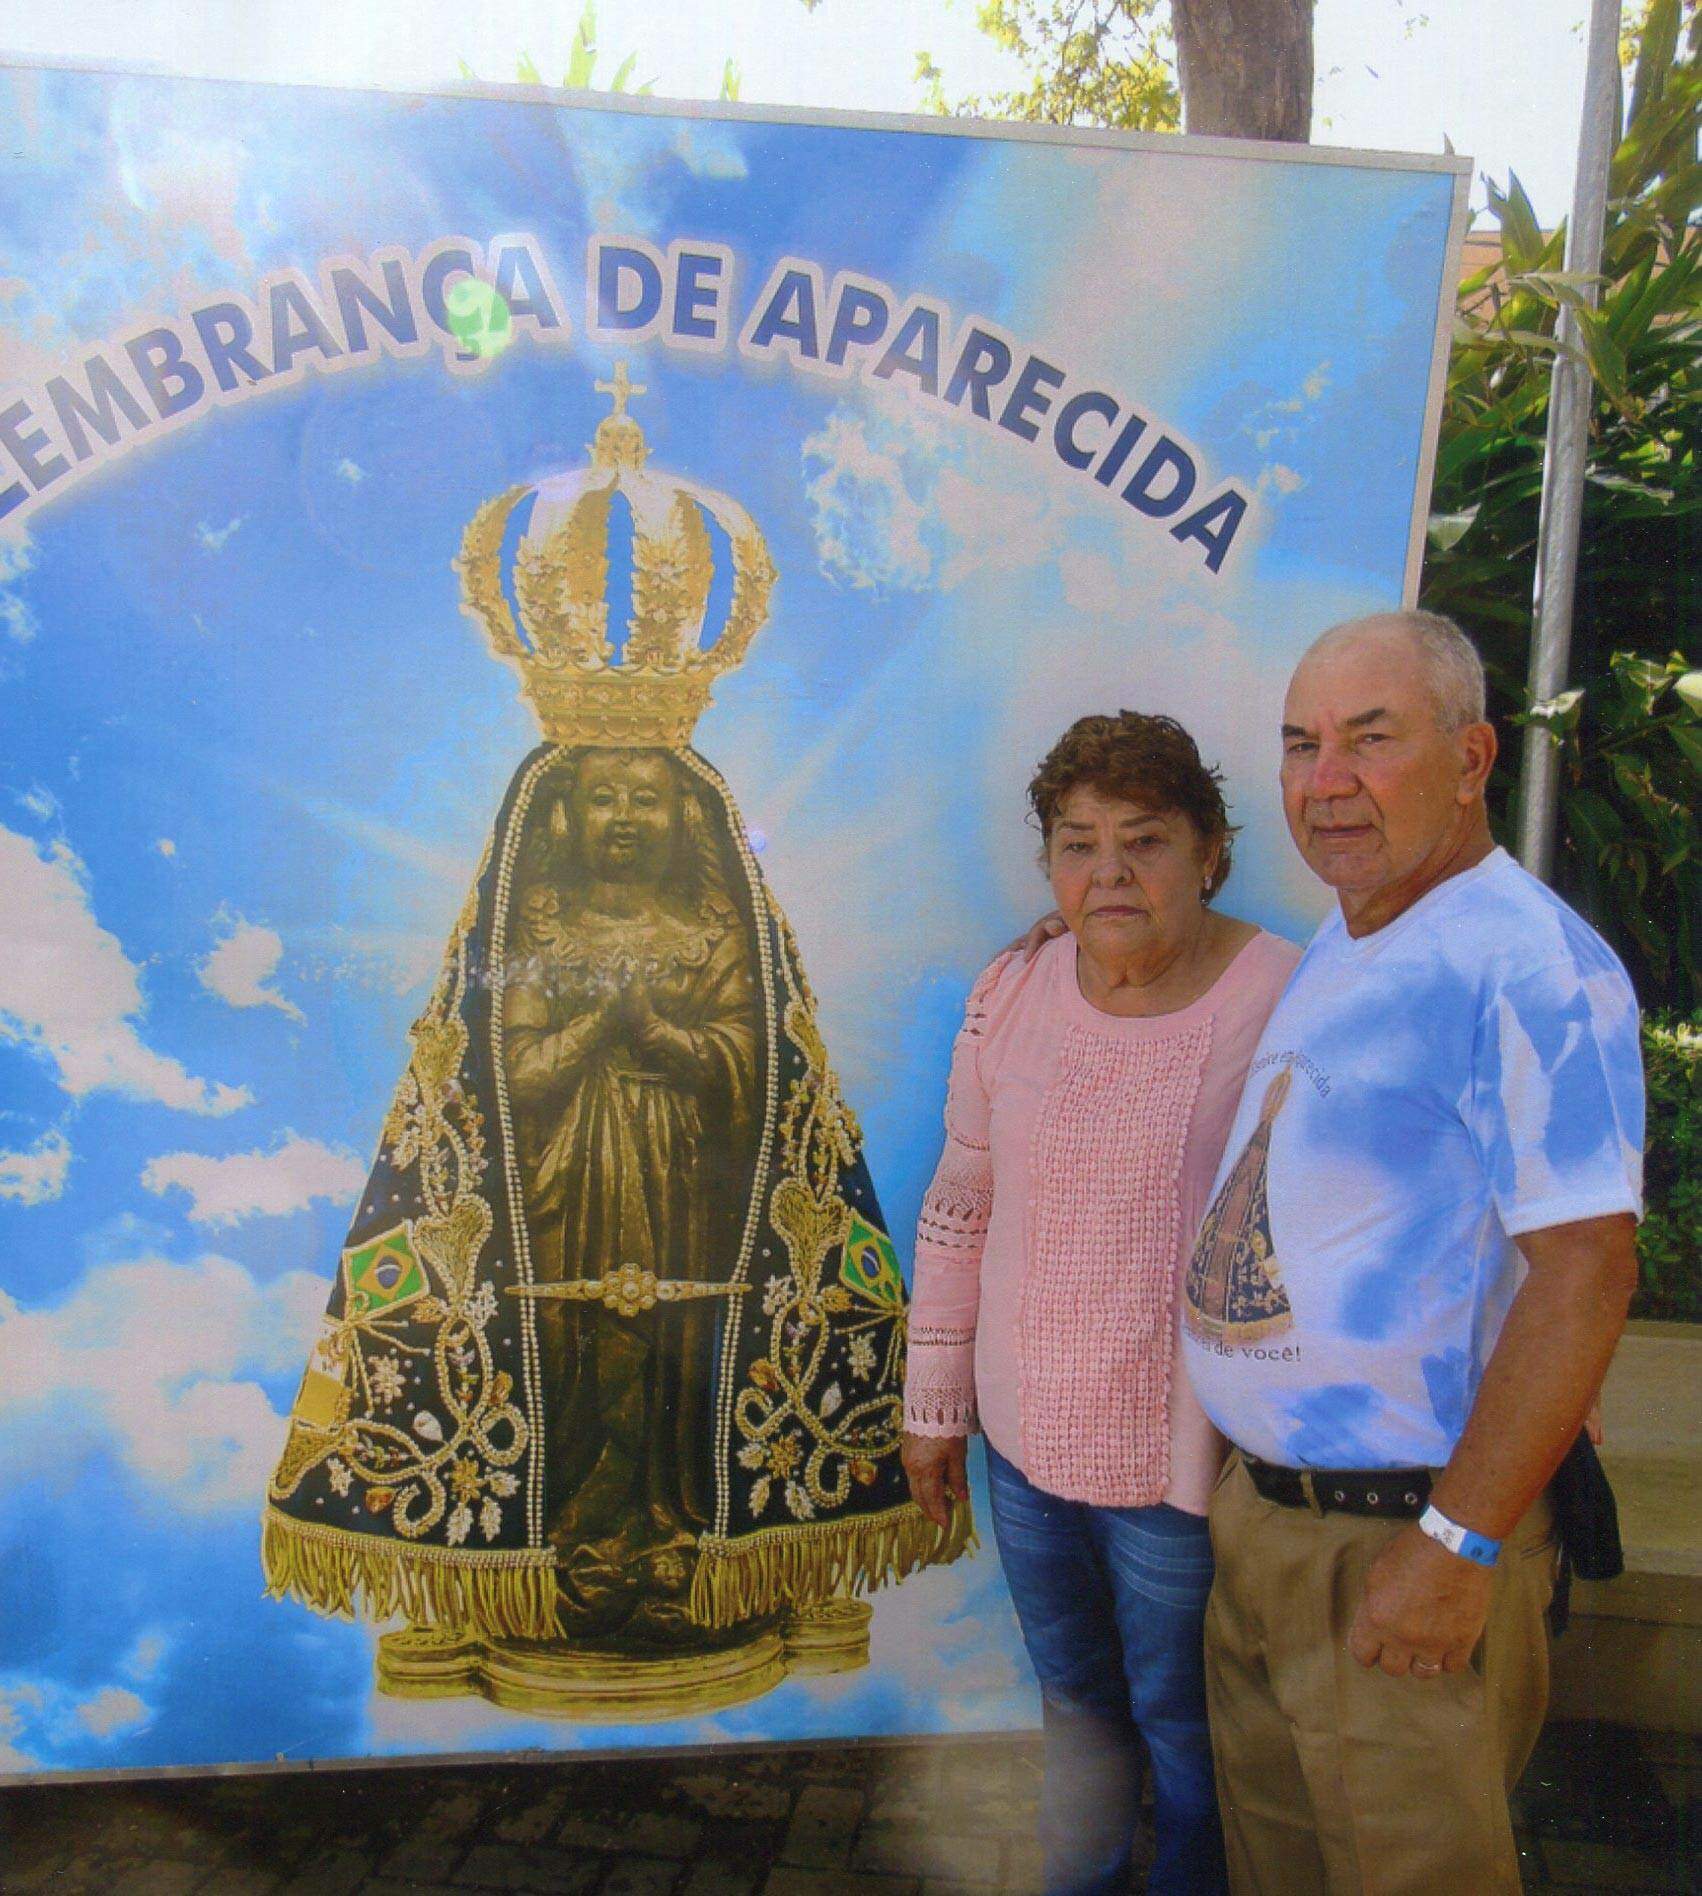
[1234, 1292]
[1423, 1096]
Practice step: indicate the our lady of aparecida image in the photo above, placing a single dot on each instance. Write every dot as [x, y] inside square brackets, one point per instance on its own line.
[606, 1404]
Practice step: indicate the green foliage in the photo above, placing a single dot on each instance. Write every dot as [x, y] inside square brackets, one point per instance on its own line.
[581, 74]
[1631, 729]
[1669, 1240]
[1092, 62]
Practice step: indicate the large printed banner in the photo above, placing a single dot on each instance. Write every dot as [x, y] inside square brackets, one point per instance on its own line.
[523, 630]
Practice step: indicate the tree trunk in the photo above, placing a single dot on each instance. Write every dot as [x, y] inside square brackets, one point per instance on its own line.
[1245, 67]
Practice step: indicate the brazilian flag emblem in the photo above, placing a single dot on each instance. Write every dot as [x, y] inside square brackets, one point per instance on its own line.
[382, 1274]
[869, 1265]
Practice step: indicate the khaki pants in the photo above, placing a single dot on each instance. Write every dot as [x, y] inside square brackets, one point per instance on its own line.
[1337, 1780]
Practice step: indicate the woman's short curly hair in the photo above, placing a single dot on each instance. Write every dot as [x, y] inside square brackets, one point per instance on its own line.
[1149, 760]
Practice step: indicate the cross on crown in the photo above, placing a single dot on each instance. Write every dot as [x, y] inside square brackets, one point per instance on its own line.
[621, 387]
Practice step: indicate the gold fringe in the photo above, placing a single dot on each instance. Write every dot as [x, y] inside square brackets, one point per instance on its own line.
[801, 1566]
[497, 1596]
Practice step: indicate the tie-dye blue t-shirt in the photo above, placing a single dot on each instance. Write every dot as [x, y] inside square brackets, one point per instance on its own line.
[1420, 1097]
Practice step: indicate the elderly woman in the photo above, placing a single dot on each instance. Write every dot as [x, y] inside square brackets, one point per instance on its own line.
[1092, 1088]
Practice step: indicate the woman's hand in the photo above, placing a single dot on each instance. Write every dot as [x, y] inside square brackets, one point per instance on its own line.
[1050, 926]
[937, 1468]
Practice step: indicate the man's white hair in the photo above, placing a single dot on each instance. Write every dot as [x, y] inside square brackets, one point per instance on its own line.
[1452, 668]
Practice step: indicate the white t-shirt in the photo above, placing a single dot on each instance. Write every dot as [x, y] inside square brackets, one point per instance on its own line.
[1419, 1098]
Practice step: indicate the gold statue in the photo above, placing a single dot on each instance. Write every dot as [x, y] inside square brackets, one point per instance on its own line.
[607, 1401]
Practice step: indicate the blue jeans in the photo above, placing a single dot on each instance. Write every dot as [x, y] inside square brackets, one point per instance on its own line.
[1112, 1605]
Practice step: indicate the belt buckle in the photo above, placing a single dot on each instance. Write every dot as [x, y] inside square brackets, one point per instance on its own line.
[1309, 1488]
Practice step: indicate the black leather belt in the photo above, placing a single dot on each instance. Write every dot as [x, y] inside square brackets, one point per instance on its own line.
[1400, 1493]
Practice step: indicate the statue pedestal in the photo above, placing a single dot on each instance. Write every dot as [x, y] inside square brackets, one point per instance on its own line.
[552, 1680]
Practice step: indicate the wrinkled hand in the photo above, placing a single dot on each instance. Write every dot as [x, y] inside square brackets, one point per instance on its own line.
[937, 1468]
[1423, 1610]
[1048, 928]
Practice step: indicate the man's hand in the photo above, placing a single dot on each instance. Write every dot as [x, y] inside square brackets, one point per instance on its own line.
[1423, 1609]
[936, 1466]
[1050, 926]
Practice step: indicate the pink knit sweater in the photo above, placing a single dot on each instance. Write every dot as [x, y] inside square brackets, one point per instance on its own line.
[1080, 1148]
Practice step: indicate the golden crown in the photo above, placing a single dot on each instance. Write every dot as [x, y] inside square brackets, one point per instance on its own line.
[654, 692]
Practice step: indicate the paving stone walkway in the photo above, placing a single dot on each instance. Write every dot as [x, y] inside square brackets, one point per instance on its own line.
[1601, 1809]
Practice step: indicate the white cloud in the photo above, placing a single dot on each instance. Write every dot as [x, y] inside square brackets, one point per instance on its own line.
[1280, 478]
[16, 1702]
[388, 961]
[707, 152]
[950, 1633]
[224, 1191]
[1090, 582]
[1000, 521]
[155, 1362]
[40, 802]
[242, 963]
[70, 993]
[37, 1175]
[165, 846]
[212, 539]
[17, 621]
[17, 556]
[350, 471]
[868, 522]
[1287, 408]
[143, 1659]
[112, 1710]
[186, 181]
[903, 499]
[55, 1721]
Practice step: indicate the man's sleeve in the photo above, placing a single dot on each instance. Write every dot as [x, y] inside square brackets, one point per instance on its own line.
[1556, 1104]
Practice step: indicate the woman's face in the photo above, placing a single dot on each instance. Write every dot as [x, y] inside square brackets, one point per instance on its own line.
[625, 811]
[1127, 879]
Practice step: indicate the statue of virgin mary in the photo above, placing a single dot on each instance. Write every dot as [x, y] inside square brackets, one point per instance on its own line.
[606, 1404]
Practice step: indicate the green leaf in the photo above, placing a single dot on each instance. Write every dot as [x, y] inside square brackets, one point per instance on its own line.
[731, 80]
[1591, 817]
[1659, 41]
[582, 60]
[623, 73]
[1521, 234]
[1640, 680]
[1446, 531]
[1606, 359]
[1559, 714]
[527, 71]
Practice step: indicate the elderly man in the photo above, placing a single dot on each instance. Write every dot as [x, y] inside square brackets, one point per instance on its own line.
[1404, 1296]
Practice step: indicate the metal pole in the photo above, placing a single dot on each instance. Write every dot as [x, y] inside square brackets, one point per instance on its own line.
[1566, 453]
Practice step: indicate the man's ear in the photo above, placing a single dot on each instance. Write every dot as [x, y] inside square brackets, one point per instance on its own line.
[1478, 749]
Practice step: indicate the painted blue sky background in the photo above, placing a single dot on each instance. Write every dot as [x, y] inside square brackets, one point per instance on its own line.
[253, 751]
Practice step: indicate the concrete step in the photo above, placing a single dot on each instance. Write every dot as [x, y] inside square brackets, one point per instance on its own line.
[1633, 1653]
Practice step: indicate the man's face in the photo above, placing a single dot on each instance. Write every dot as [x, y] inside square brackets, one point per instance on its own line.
[1372, 786]
[625, 810]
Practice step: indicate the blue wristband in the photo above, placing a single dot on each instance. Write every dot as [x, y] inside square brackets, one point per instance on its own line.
[1459, 1540]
